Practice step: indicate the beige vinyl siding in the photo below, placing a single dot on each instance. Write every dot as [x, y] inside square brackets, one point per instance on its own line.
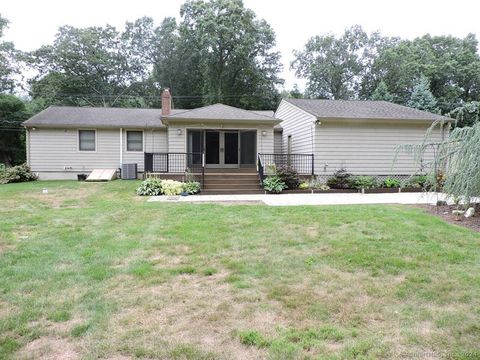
[277, 142]
[153, 141]
[368, 148]
[177, 143]
[299, 125]
[57, 150]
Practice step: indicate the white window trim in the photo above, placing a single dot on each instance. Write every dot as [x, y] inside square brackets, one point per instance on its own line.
[78, 141]
[143, 141]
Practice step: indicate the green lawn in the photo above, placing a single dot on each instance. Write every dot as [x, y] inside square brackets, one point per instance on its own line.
[93, 271]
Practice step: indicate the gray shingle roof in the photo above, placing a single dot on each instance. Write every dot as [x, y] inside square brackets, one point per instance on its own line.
[98, 117]
[359, 109]
[221, 112]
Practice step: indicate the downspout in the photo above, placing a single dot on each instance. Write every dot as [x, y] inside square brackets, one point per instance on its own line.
[121, 147]
[27, 144]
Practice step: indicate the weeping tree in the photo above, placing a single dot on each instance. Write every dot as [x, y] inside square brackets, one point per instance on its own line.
[455, 166]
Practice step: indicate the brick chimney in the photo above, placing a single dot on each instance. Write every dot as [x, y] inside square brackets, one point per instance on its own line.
[166, 103]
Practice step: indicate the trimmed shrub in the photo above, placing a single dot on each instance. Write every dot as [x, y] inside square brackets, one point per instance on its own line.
[16, 174]
[363, 182]
[418, 181]
[191, 187]
[274, 184]
[304, 186]
[289, 176]
[150, 187]
[340, 180]
[318, 185]
[391, 183]
[172, 187]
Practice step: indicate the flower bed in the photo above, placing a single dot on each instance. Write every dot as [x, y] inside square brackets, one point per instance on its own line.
[154, 187]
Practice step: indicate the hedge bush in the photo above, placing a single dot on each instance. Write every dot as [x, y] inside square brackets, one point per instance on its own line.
[16, 174]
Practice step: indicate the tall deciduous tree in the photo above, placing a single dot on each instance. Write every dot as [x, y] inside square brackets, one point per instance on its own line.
[9, 64]
[233, 51]
[12, 139]
[335, 67]
[452, 65]
[96, 66]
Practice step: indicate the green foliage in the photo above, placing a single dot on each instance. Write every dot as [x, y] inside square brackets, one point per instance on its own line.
[9, 61]
[289, 176]
[191, 187]
[95, 66]
[455, 169]
[467, 114]
[362, 182]
[16, 174]
[153, 187]
[381, 92]
[12, 134]
[318, 184]
[150, 187]
[340, 180]
[334, 66]
[418, 181]
[304, 186]
[234, 53]
[391, 183]
[274, 184]
[422, 98]
[172, 187]
[252, 338]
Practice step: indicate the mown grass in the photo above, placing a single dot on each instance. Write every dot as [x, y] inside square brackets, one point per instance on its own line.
[92, 271]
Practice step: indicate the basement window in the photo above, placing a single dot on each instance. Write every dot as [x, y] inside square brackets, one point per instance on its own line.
[134, 140]
[86, 140]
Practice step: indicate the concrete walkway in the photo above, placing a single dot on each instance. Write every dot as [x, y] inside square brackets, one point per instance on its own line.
[312, 199]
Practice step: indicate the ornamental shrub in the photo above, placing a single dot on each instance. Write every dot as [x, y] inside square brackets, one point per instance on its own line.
[150, 187]
[172, 187]
[340, 180]
[16, 174]
[289, 176]
[362, 182]
[191, 187]
[274, 184]
[391, 183]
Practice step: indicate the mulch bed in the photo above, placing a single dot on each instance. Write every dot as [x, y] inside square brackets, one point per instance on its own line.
[445, 212]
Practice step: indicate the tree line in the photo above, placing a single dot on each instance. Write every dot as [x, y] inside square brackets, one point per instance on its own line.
[220, 51]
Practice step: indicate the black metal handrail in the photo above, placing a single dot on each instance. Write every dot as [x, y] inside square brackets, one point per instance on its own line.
[302, 163]
[176, 163]
[261, 174]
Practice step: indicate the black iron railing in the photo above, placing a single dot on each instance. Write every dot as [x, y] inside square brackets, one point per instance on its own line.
[261, 173]
[176, 163]
[302, 163]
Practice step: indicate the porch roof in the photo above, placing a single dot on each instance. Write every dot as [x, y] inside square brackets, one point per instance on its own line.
[221, 113]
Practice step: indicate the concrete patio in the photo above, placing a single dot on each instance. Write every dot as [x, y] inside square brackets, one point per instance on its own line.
[312, 199]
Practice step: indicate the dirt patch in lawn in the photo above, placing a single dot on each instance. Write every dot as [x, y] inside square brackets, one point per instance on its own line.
[445, 212]
[64, 197]
[49, 348]
[205, 312]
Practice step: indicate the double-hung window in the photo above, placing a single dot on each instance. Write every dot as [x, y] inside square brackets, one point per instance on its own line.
[134, 140]
[86, 140]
